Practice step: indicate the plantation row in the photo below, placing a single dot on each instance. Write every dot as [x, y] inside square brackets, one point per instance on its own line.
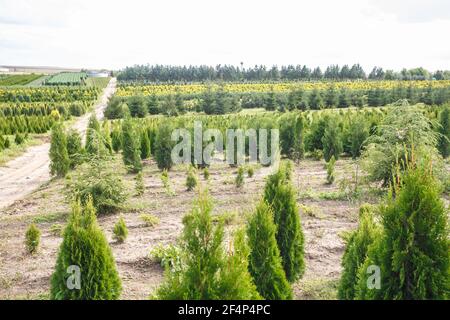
[18, 80]
[43, 108]
[67, 79]
[165, 89]
[49, 94]
[219, 101]
[160, 73]
[27, 124]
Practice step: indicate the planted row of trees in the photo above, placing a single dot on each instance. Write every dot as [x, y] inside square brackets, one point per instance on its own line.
[167, 73]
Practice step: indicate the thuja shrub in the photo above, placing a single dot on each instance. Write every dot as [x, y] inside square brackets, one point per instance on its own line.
[163, 147]
[59, 157]
[207, 271]
[139, 184]
[32, 238]
[280, 195]
[239, 181]
[191, 179]
[413, 253]
[357, 246]
[330, 170]
[74, 148]
[265, 263]
[85, 254]
[131, 152]
[120, 231]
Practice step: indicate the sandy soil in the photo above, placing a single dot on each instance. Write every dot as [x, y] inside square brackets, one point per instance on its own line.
[27, 172]
[28, 276]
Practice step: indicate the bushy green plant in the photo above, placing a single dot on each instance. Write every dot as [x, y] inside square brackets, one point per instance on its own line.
[145, 145]
[330, 170]
[250, 171]
[265, 263]
[149, 220]
[130, 147]
[444, 130]
[163, 147]
[207, 271]
[120, 230]
[206, 173]
[32, 238]
[191, 179]
[281, 197]
[139, 184]
[59, 157]
[356, 250]
[413, 253]
[74, 148]
[98, 181]
[85, 250]
[168, 256]
[239, 181]
[165, 179]
[332, 141]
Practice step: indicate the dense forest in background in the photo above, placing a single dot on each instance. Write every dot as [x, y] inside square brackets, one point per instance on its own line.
[169, 73]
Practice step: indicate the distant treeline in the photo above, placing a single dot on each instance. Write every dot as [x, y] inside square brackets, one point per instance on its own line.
[168, 73]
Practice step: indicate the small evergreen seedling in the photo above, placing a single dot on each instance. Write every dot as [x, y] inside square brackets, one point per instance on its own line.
[265, 264]
[166, 182]
[330, 170]
[206, 173]
[191, 179]
[240, 178]
[139, 185]
[86, 254]
[120, 230]
[250, 172]
[32, 238]
[59, 156]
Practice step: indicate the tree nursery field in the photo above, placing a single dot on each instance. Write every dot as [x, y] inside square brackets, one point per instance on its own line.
[295, 188]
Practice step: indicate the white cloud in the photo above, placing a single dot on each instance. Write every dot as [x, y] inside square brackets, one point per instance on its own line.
[113, 34]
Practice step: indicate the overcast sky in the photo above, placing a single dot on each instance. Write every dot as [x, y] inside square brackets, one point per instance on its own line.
[113, 34]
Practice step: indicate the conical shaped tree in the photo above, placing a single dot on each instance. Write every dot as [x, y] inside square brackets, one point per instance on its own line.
[281, 197]
[163, 147]
[92, 136]
[332, 141]
[59, 157]
[444, 130]
[145, 145]
[85, 267]
[130, 147]
[356, 250]
[413, 253]
[265, 263]
[74, 148]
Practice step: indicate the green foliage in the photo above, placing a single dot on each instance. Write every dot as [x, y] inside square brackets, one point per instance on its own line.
[137, 107]
[168, 256]
[404, 135]
[145, 145]
[358, 135]
[139, 184]
[19, 138]
[357, 246]
[330, 170]
[206, 173]
[74, 148]
[32, 238]
[206, 272]
[116, 139]
[149, 219]
[120, 230]
[116, 108]
[165, 179]
[250, 172]
[94, 142]
[281, 197]
[444, 130]
[291, 136]
[85, 246]
[413, 253]
[265, 263]
[239, 181]
[163, 147]
[97, 181]
[130, 147]
[191, 179]
[59, 157]
[332, 141]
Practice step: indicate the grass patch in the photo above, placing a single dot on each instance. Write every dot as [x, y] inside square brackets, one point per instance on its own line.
[149, 220]
[319, 289]
[49, 217]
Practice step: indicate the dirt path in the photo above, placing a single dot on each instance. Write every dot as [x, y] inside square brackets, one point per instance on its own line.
[26, 173]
